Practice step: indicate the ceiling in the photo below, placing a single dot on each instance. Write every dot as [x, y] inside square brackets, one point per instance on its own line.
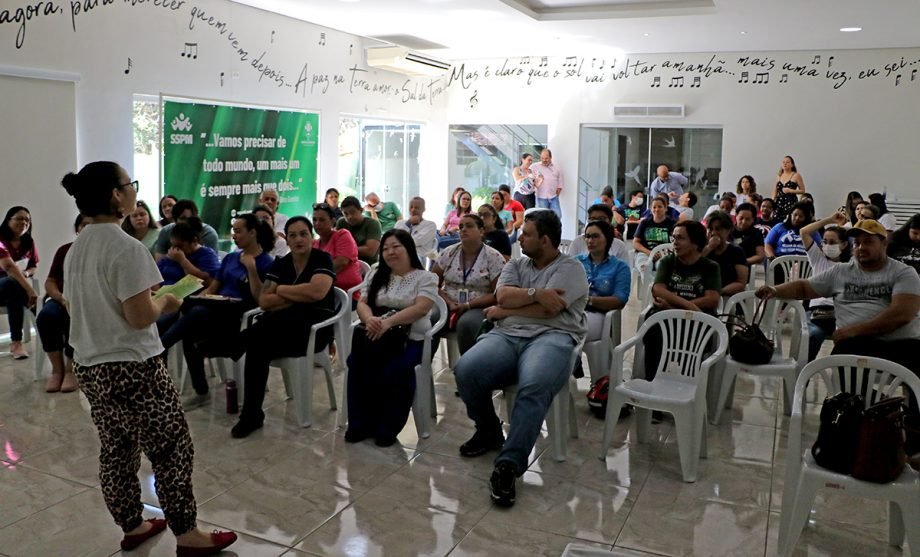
[499, 28]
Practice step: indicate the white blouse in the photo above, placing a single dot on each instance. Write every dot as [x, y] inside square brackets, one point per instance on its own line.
[486, 268]
[401, 293]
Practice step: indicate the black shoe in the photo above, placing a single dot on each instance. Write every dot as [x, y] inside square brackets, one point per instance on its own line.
[355, 436]
[501, 484]
[243, 428]
[482, 442]
[385, 440]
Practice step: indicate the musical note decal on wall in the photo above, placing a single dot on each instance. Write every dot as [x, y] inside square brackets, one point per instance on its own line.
[656, 82]
[322, 39]
[830, 61]
[273, 37]
[190, 51]
[744, 77]
[784, 78]
[817, 59]
[128, 69]
[544, 61]
[696, 81]
[762, 77]
[221, 79]
[677, 82]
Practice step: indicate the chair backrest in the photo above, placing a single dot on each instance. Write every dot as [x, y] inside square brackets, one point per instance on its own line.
[874, 378]
[363, 268]
[685, 338]
[342, 305]
[564, 246]
[427, 348]
[794, 267]
[660, 251]
[776, 313]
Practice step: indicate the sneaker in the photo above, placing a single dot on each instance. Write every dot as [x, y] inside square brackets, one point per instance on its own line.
[501, 484]
[243, 428]
[482, 442]
[196, 401]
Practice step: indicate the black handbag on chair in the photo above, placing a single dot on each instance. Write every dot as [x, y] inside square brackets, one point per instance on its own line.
[748, 344]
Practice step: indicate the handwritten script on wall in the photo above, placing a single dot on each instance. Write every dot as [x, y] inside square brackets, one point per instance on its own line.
[257, 60]
[678, 71]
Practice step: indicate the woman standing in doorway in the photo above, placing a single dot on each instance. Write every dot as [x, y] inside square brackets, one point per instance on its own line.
[118, 363]
[789, 185]
[526, 182]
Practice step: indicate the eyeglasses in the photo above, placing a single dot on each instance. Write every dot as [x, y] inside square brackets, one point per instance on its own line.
[592, 236]
[135, 184]
[681, 238]
[26, 220]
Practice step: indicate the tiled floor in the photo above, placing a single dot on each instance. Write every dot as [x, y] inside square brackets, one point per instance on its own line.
[295, 491]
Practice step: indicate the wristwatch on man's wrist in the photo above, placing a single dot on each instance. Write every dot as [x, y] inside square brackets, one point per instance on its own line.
[531, 292]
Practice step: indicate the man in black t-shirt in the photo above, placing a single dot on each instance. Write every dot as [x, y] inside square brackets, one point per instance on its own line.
[630, 214]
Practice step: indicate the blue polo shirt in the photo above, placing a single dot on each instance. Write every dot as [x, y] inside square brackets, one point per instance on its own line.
[234, 279]
[204, 258]
[608, 278]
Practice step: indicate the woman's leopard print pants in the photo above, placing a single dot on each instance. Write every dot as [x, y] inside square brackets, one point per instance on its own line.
[136, 408]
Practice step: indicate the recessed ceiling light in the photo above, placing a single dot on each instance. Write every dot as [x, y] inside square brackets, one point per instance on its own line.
[850, 29]
[744, 32]
[645, 34]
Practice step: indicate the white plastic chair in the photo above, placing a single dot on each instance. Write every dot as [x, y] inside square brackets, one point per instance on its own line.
[600, 351]
[794, 267]
[647, 276]
[679, 386]
[804, 477]
[787, 365]
[424, 405]
[424, 408]
[302, 367]
[564, 246]
[561, 421]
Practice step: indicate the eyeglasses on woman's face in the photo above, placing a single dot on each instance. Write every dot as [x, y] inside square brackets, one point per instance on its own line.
[592, 236]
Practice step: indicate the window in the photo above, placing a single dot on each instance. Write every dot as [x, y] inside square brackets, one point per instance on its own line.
[381, 157]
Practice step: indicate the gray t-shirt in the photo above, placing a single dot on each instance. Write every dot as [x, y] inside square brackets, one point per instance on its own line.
[563, 272]
[104, 268]
[860, 296]
[208, 237]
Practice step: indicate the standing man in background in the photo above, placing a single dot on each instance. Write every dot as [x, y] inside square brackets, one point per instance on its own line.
[549, 183]
[386, 213]
[668, 183]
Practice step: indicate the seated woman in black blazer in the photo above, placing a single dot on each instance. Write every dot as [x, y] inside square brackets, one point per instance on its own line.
[297, 293]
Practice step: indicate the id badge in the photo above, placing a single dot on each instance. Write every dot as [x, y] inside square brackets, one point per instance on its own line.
[463, 296]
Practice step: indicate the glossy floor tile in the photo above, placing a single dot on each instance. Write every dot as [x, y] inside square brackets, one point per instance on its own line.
[290, 490]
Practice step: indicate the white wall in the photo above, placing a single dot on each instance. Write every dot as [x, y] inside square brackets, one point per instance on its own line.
[862, 135]
[96, 45]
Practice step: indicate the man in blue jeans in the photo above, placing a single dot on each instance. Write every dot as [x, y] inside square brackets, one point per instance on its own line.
[548, 182]
[539, 319]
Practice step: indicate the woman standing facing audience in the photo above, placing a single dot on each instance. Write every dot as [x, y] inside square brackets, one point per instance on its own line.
[822, 256]
[118, 363]
[296, 294]
[381, 367]
[18, 260]
[53, 321]
[467, 275]
[213, 328]
[526, 182]
[494, 233]
[905, 243]
[789, 185]
[608, 281]
[141, 226]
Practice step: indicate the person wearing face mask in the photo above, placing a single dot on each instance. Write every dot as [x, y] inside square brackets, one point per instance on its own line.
[384, 212]
[834, 249]
[630, 214]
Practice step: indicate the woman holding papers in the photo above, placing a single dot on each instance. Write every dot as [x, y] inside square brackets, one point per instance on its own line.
[108, 276]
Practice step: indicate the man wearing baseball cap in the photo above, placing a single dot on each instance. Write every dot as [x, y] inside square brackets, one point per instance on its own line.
[876, 299]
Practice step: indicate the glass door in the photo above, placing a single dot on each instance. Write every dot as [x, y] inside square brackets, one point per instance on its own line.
[381, 157]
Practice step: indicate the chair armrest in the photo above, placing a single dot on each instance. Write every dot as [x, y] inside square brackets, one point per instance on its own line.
[249, 318]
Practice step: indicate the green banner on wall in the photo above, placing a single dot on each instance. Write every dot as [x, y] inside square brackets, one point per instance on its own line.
[223, 157]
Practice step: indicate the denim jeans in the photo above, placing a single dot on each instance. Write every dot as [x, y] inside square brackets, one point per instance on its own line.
[447, 240]
[53, 324]
[540, 368]
[551, 204]
[14, 298]
[817, 333]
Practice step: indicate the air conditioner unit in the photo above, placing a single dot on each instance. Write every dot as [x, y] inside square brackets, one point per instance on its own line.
[648, 111]
[402, 60]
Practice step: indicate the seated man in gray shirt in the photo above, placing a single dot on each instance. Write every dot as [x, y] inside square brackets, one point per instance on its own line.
[876, 300]
[182, 210]
[539, 320]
